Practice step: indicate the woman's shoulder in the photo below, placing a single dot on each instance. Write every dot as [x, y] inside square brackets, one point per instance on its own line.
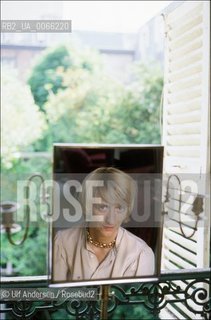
[134, 241]
[69, 234]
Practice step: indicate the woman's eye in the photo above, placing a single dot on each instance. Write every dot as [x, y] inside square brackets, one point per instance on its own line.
[120, 208]
[105, 208]
[102, 207]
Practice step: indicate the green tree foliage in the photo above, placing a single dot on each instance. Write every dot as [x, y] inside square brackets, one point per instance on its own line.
[30, 258]
[95, 109]
[22, 122]
[46, 76]
[138, 112]
[81, 113]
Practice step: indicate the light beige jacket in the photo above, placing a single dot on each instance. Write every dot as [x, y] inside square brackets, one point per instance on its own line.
[73, 258]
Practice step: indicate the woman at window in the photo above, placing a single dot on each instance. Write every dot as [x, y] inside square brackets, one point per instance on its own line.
[101, 248]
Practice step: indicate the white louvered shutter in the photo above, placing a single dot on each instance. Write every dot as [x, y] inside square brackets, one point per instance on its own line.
[186, 135]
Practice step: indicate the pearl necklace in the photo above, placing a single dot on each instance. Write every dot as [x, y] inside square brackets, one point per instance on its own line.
[99, 244]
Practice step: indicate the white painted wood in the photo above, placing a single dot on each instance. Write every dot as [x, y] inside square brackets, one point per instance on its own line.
[186, 114]
[178, 238]
[189, 314]
[176, 248]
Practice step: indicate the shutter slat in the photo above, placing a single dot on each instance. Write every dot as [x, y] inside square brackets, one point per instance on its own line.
[187, 59]
[176, 164]
[178, 129]
[184, 284]
[186, 220]
[169, 234]
[182, 14]
[187, 199]
[181, 108]
[184, 84]
[186, 71]
[184, 39]
[174, 160]
[169, 265]
[179, 262]
[183, 140]
[186, 95]
[183, 151]
[179, 315]
[191, 303]
[178, 54]
[189, 117]
[182, 28]
[183, 253]
[186, 231]
[174, 223]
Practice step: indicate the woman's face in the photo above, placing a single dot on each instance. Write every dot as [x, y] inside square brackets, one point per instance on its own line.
[113, 214]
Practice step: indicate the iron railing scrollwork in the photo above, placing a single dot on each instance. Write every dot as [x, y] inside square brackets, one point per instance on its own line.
[152, 295]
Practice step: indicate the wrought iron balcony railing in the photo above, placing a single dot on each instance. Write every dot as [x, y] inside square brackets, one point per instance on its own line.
[154, 296]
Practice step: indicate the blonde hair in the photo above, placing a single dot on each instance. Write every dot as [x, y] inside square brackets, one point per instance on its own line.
[116, 187]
